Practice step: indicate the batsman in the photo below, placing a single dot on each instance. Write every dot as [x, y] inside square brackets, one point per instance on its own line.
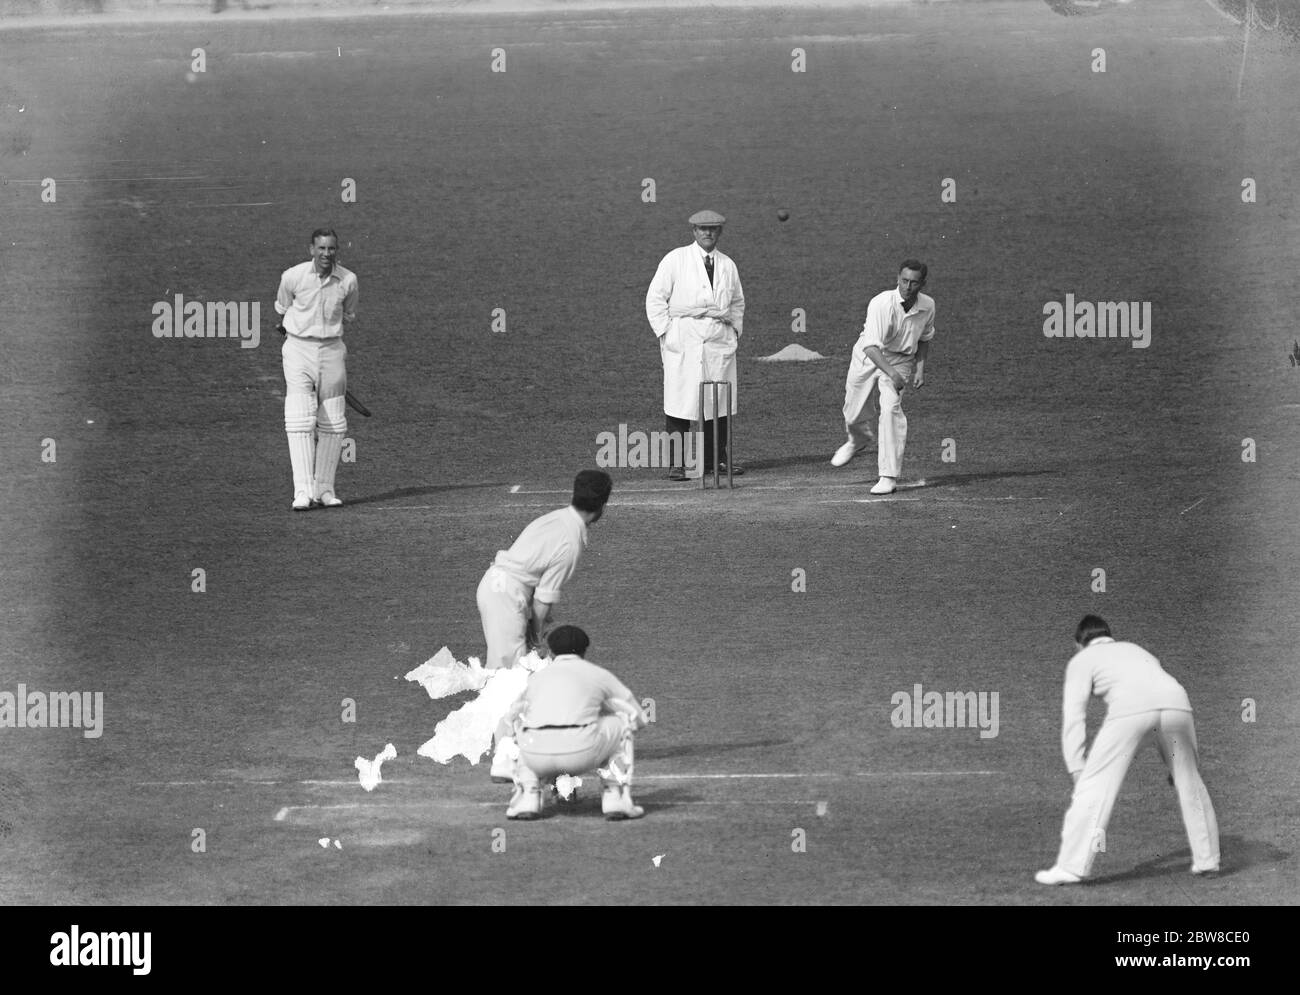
[316, 301]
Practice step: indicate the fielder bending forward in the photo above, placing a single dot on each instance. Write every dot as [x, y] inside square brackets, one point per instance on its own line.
[888, 356]
[573, 717]
[316, 300]
[517, 593]
[1141, 700]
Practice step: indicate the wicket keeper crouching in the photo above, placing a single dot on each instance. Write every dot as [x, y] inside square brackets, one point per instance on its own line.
[572, 717]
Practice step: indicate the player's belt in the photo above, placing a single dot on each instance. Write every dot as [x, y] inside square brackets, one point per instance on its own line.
[537, 728]
[313, 338]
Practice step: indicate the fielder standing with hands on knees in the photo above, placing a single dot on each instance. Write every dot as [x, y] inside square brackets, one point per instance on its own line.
[316, 301]
[696, 308]
[1142, 701]
[889, 356]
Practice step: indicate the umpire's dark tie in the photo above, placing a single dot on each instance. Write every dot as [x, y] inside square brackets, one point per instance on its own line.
[708, 268]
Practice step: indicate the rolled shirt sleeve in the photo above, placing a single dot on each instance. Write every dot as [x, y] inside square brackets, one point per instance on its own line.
[558, 573]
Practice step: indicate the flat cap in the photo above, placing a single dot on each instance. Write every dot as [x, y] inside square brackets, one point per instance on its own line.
[707, 218]
[568, 639]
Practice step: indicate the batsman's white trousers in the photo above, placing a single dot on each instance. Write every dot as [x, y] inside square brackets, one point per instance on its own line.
[504, 607]
[1118, 740]
[545, 754]
[315, 366]
[870, 394]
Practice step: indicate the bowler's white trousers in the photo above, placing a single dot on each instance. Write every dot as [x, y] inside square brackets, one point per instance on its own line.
[1116, 743]
[869, 393]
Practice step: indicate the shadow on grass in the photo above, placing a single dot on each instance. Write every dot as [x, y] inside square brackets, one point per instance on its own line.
[784, 461]
[966, 479]
[932, 482]
[662, 799]
[587, 804]
[703, 749]
[405, 492]
[1238, 854]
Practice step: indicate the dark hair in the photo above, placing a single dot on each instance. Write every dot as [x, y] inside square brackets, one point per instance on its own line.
[568, 639]
[591, 490]
[323, 232]
[915, 264]
[1091, 627]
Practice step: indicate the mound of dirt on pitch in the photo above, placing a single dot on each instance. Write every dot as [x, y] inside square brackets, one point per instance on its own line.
[791, 354]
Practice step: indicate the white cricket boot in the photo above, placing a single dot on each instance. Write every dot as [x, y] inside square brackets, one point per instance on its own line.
[845, 453]
[328, 447]
[616, 803]
[526, 803]
[1056, 875]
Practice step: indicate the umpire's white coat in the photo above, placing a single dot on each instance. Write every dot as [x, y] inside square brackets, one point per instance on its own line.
[698, 326]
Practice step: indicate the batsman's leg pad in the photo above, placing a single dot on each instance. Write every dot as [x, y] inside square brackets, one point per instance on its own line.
[328, 447]
[299, 412]
[332, 415]
[300, 424]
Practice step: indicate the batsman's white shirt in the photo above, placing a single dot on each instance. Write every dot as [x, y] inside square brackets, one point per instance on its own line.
[897, 333]
[546, 553]
[316, 307]
[698, 326]
[1126, 676]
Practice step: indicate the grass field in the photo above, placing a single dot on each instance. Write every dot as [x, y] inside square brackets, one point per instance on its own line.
[522, 191]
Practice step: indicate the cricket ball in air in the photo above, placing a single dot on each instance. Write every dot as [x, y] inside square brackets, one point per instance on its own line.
[783, 215]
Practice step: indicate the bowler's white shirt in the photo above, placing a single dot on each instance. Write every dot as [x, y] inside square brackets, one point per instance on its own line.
[315, 306]
[546, 553]
[1126, 676]
[897, 333]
